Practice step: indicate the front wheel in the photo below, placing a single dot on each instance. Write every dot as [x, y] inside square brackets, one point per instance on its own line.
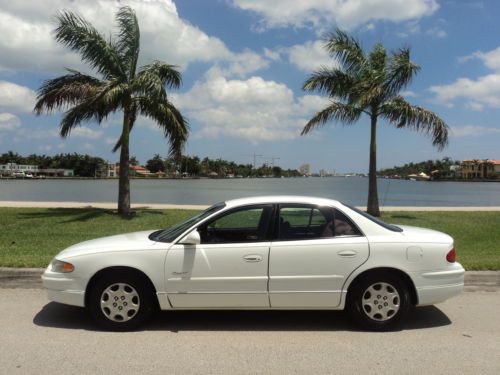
[120, 303]
[379, 302]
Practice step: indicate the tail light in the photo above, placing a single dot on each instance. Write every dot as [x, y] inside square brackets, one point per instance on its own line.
[451, 256]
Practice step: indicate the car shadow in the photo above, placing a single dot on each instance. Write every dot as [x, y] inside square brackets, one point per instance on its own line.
[69, 317]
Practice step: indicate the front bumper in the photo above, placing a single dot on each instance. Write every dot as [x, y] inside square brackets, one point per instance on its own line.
[64, 288]
[437, 286]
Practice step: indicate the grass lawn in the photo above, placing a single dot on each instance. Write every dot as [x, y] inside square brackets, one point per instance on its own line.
[30, 237]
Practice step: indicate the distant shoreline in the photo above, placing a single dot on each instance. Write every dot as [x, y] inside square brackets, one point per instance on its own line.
[161, 206]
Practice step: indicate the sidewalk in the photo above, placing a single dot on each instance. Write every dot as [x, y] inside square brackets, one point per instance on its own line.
[29, 278]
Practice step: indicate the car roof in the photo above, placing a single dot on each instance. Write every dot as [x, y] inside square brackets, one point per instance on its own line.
[281, 199]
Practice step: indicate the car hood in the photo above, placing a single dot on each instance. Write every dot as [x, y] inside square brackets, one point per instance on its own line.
[120, 242]
[418, 234]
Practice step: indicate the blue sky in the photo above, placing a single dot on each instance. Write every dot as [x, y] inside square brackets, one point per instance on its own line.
[243, 65]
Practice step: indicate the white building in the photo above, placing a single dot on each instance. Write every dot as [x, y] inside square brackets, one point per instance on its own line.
[14, 168]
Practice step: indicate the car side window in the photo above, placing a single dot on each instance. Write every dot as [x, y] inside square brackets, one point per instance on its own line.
[298, 222]
[247, 224]
[305, 223]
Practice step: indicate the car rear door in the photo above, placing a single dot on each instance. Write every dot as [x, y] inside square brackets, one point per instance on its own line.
[229, 269]
[315, 249]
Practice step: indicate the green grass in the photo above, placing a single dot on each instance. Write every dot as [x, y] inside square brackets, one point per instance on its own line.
[30, 237]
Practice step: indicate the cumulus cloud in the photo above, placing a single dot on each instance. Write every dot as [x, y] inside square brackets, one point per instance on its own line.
[473, 131]
[84, 132]
[27, 42]
[16, 98]
[310, 56]
[478, 93]
[252, 109]
[345, 13]
[9, 122]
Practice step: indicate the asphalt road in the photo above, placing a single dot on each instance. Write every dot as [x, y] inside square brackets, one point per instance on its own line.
[460, 336]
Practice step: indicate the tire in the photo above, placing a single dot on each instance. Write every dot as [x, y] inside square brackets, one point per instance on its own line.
[120, 301]
[379, 302]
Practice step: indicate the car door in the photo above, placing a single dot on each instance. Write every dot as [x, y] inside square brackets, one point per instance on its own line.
[229, 268]
[315, 250]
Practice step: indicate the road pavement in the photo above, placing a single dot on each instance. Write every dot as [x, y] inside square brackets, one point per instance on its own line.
[460, 336]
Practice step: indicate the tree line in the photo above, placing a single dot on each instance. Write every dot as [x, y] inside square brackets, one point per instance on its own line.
[427, 167]
[82, 165]
[91, 166]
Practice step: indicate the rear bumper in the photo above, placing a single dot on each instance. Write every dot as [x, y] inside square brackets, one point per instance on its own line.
[437, 286]
[63, 288]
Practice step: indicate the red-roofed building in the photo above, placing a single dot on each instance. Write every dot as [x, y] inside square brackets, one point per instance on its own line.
[479, 169]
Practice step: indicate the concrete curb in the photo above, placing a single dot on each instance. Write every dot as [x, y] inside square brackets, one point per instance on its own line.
[29, 278]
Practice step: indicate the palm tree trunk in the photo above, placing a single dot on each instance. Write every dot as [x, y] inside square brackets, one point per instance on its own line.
[372, 206]
[124, 182]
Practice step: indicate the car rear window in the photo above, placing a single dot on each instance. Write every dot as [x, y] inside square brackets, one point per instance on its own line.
[390, 227]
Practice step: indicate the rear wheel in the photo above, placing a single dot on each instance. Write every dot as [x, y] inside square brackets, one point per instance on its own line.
[120, 302]
[379, 302]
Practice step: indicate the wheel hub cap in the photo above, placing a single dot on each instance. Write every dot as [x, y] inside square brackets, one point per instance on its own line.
[380, 301]
[120, 302]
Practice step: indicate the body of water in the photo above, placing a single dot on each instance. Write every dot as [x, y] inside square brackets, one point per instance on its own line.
[352, 190]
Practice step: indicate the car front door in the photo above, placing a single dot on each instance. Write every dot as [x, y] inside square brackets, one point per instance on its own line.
[229, 268]
[315, 250]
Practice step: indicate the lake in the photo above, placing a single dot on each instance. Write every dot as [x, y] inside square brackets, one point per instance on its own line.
[352, 190]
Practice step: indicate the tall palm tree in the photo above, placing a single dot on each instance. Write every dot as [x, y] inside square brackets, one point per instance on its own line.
[370, 84]
[122, 86]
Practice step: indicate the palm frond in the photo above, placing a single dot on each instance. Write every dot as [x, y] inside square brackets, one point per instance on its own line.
[404, 115]
[128, 39]
[175, 127]
[62, 92]
[344, 113]
[400, 72]
[80, 36]
[168, 74]
[332, 82]
[347, 50]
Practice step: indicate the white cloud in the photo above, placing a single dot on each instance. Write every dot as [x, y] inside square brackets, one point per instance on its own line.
[491, 59]
[9, 122]
[409, 94]
[473, 131]
[478, 93]
[84, 132]
[310, 56]
[27, 41]
[16, 98]
[252, 109]
[345, 13]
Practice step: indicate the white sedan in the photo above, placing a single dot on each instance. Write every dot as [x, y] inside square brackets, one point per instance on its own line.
[278, 252]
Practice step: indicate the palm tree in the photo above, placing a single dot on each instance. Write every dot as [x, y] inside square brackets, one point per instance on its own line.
[370, 84]
[122, 86]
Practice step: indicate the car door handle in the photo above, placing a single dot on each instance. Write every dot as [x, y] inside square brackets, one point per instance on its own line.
[252, 258]
[347, 254]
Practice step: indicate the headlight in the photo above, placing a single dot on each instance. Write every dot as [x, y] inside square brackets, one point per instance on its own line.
[61, 267]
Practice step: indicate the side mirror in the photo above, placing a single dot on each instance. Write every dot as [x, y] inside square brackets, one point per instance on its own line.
[192, 238]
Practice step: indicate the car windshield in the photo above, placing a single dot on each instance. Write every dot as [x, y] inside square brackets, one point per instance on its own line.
[170, 234]
[391, 227]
